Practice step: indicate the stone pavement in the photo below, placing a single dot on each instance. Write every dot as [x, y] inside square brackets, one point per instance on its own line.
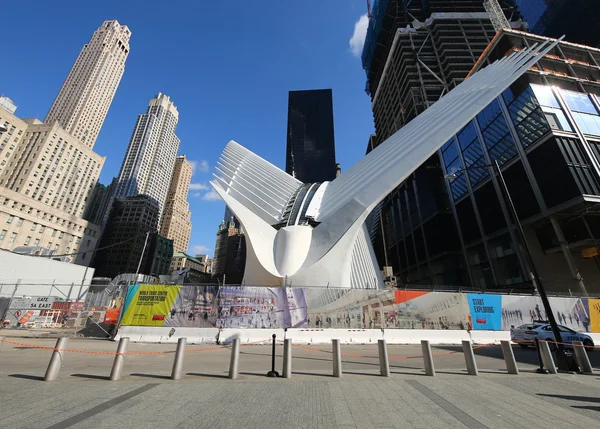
[312, 398]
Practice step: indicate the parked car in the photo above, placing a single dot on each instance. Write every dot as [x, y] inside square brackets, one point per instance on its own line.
[524, 335]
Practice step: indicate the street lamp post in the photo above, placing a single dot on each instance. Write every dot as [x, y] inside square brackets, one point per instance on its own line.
[562, 361]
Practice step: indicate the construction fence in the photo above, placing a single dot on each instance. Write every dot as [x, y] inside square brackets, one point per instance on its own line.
[98, 309]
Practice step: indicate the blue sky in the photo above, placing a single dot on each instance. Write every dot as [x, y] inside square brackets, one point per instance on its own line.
[227, 65]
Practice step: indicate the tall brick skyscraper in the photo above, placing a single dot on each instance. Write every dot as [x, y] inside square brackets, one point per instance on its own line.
[176, 221]
[85, 97]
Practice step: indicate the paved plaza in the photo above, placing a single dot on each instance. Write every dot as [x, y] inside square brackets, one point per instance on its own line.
[82, 397]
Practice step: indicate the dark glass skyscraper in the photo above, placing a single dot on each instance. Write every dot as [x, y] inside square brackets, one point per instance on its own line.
[310, 139]
[576, 19]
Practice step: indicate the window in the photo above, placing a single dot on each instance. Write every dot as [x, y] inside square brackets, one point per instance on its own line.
[53, 233]
[10, 219]
[34, 226]
[49, 245]
[56, 248]
[13, 236]
[61, 235]
[36, 242]
[2, 234]
[19, 222]
[27, 240]
[583, 111]
[42, 228]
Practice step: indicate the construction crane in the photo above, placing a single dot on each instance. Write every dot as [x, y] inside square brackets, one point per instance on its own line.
[496, 14]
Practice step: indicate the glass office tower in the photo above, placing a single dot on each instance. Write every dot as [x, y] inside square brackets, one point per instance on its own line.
[310, 139]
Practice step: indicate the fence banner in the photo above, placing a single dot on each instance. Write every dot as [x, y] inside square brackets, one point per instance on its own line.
[264, 307]
[148, 305]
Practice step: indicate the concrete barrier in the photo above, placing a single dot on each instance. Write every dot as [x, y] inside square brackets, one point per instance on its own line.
[119, 362]
[312, 336]
[547, 358]
[166, 334]
[509, 357]
[56, 360]
[582, 358]
[470, 358]
[427, 358]
[337, 358]
[384, 362]
[177, 372]
[235, 358]
[287, 358]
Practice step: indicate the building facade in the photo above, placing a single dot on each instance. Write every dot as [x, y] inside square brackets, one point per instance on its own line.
[448, 38]
[310, 150]
[160, 255]
[544, 132]
[176, 221]
[87, 93]
[98, 206]
[51, 166]
[125, 242]
[150, 159]
[196, 269]
[8, 104]
[230, 254]
[576, 19]
[45, 179]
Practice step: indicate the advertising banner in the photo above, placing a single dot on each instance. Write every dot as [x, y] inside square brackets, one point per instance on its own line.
[148, 305]
[486, 311]
[262, 307]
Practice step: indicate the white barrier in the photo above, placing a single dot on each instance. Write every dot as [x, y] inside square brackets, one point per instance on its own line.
[166, 334]
[313, 336]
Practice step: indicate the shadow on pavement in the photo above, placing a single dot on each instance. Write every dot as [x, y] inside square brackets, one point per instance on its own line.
[91, 376]
[27, 377]
[583, 407]
[572, 397]
[198, 374]
[162, 377]
[324, 374]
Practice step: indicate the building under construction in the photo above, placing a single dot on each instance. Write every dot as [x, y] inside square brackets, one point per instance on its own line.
[415, 51]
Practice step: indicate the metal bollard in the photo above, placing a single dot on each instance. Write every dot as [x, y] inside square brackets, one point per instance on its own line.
[547, 358]
[509, 357]
[177, 372]
[235, 357]
[470, 358]
[582, 358]
[384, 362]
[56, 360]
[427, 358]
[337, 358]
[287, 358]
[119, 362]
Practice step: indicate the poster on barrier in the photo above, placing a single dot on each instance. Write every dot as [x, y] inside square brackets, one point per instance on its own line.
[266, 308]
[594, 312]
[486, 311]
[148, 305]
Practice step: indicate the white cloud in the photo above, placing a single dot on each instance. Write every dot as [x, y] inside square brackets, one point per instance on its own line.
[200, 166]
[211, 196]
[198, 187]
[197, 194]
[200, 249]
[358, 37]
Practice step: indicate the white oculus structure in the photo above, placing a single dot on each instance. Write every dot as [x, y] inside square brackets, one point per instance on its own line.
[314, 234]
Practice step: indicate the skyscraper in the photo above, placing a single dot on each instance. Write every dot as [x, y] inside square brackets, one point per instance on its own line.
[148, 165]
[310, 138]
[415, 52]
[176, 223]
[576, 19]
[132, 224]
[85, 97]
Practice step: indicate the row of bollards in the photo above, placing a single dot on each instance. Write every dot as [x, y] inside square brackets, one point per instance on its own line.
[544, 353]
